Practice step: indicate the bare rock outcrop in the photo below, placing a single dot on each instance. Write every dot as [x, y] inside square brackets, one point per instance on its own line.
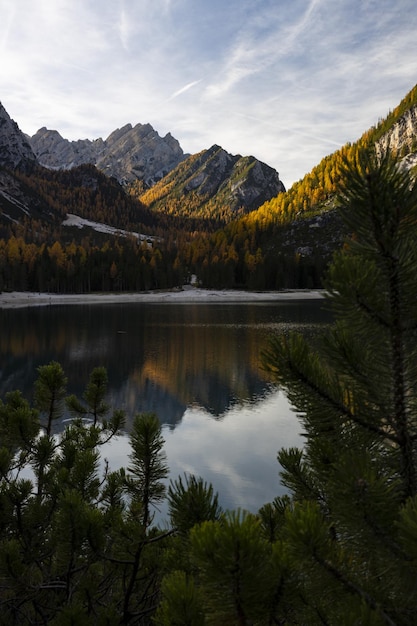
[15, 150]
[402, 138]
[215, 175]
[129, 153]
[240, 182]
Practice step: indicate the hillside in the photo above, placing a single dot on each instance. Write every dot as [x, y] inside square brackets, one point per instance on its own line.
[200, 219]
[200, 192]
[290, 239]
[213, 185]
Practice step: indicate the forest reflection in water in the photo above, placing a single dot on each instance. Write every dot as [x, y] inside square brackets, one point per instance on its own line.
[196, 365]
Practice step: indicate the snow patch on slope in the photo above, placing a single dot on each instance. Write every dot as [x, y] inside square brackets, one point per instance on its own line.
[80, 222]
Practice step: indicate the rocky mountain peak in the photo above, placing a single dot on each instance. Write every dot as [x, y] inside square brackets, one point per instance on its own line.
[15, 150]
[129, 153]
[118, 133]
[243, 182]
[55, 152]
[215, 176]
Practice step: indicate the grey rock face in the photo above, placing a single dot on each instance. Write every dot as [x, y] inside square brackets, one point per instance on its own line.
[55, 152]
[241, 182]
[129, 153]
[253, 183]
[402, 138]
[15, 150]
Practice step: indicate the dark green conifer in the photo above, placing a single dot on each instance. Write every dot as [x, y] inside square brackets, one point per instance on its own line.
[354, 484]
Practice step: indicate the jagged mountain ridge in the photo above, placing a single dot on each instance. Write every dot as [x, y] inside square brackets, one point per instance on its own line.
[138, 153]
[132, 154]
[231, 181]
[398, 131]
[129, 153]
[28, 191]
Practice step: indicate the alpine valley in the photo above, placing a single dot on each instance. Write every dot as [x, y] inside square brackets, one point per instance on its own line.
[133, 212]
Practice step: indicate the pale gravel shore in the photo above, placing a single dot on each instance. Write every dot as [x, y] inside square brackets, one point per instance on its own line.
[20, 299]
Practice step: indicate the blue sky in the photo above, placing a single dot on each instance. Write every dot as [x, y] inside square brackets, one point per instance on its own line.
[288, 81]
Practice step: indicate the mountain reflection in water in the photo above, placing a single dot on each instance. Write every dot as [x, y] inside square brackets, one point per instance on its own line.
[160, 358]
[196, 365]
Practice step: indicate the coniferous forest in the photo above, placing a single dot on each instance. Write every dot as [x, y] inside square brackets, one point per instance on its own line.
[79, 545]
[273, 247]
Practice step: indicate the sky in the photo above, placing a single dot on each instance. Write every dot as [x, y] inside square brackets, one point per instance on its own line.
[287, 81]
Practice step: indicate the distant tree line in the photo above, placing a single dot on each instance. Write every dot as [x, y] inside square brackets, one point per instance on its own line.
[117, 265]
[126, 265]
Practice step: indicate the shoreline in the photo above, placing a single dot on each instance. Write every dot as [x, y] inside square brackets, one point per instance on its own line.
[190, 295]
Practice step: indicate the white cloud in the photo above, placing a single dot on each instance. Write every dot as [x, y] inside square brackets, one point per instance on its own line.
[184, 89]
[124, 27]
[206, 447]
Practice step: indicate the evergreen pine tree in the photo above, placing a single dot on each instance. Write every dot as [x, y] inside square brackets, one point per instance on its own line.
[237, 568]
[350, 530]
[192, 502]
[73, 549]
[95, 408]
[148, 466]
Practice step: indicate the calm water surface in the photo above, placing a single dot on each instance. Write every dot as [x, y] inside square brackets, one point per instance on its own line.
[196, 365]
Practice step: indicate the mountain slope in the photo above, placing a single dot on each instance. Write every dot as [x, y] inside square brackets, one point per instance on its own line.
[17, 202]
[214, 184]
[15, 150]
[289, 241]
[36, 200]
[202, 214]
[209, 188]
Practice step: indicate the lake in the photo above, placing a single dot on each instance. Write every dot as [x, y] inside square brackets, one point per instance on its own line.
[196, 365]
